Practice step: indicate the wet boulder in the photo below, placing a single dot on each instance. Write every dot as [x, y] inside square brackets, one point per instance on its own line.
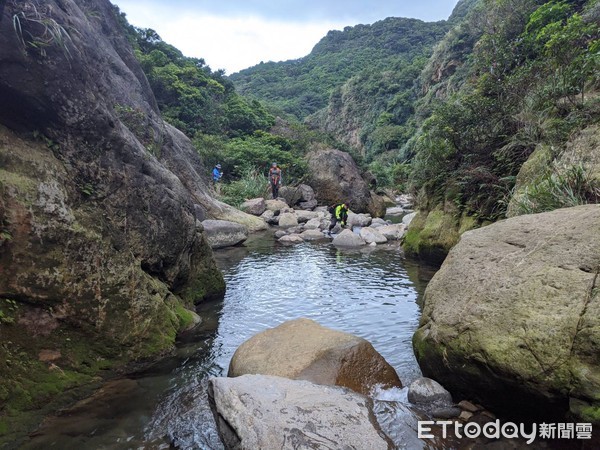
[313, 224]
[348, 239]
[359, 220]
[255, 206]
[291, 239]
[304, 350]
[221, 233]
[427, 391]
[291, 414]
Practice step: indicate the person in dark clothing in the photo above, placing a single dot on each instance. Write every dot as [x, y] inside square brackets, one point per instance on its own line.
[339, 213]
[275, 179]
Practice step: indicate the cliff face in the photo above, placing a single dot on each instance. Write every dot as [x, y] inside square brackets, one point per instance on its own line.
[100, 248]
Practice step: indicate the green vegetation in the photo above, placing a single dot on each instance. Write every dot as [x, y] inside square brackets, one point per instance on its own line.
[559, 189]
[250, 185]
[38, 31]
[302, 87]
[527, 72]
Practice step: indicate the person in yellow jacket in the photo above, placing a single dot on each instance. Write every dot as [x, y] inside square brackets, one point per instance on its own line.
[339, 213]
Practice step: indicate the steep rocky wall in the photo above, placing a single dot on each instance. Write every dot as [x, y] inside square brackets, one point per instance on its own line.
[101, 251]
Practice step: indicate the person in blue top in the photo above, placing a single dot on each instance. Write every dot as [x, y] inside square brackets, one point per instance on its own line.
[217, 173]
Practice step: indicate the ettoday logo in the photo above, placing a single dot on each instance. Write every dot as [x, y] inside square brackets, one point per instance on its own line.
[508, 430]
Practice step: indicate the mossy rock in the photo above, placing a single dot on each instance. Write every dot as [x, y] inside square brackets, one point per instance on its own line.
[431, 235]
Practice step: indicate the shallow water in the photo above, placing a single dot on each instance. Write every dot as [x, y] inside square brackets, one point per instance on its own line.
[371, 293]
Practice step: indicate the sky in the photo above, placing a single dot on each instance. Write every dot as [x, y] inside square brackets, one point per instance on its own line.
[236, 34]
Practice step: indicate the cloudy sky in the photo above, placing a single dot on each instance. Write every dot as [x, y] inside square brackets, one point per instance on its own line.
[235, 34]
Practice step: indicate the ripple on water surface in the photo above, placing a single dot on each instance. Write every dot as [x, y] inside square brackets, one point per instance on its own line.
[367, 293]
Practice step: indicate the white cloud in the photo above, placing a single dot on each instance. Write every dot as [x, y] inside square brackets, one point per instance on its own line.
[231, 43]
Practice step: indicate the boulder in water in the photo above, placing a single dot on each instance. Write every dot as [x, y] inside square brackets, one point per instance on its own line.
[427, 391]
[304, 350]
[221, 233]
[291, 239]
[372, 236]
[348, 239]
[313, 235]
[268, 412]
[407, 219]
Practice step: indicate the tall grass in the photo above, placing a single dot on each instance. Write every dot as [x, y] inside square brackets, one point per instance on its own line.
[560, 188]
[250, 185]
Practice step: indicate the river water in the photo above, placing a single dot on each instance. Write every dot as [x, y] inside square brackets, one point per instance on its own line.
[371, 292]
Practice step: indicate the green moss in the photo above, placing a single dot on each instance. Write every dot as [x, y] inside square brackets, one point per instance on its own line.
[590, 414]
[467, 223]
[185, 317]
[432, 238]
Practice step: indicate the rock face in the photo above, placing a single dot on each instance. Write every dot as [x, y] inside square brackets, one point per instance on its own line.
[292, 414]
[336, 178]
[516, 308]
[348, 239]
[221, 233]
[98, 207]
[304, 350]
[255, 206]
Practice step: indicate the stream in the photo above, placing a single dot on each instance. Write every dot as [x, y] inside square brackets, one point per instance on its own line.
[371, 292]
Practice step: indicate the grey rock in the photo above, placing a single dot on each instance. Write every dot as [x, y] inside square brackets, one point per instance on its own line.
[313, 224]
[372, 236]
[336, 178]
[348, 239]
[448, 412]
[280, 233]
[255, 206]
[287, 220]
[313, 235]
[359, 220]
[221, 233]
[305, 216]
[393, 232]
[407, 219]
[276, 205]
[291, 239]
[309, 205]
[291, 414]
[396, 211]
[427, 391]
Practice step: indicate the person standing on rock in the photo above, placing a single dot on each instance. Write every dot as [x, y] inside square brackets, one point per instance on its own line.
[217, 173]
[339, 213]
[275, 179]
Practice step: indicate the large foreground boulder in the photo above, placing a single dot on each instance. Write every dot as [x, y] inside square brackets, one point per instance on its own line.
[304, 350]
[512, 319]
[221, 233]
[266, 412]
[336, 178]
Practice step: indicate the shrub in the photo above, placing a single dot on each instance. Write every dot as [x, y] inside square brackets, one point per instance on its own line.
[559, 189]
[250, 185]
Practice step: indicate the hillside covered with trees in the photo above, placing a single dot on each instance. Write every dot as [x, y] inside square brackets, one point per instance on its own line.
[498, 117]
